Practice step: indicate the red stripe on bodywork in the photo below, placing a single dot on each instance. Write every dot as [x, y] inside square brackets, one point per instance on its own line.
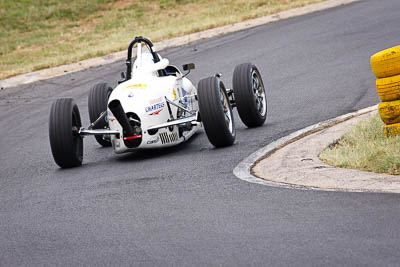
[132, 137]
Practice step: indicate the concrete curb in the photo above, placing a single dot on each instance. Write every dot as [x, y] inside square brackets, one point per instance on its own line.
[244, 169]
[174, 42]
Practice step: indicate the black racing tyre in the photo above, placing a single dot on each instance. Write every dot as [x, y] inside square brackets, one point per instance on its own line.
[64, 123]
[249, 92]
[97, 103]
[216, 112]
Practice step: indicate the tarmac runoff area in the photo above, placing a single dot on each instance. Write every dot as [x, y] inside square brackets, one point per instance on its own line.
[292, 161]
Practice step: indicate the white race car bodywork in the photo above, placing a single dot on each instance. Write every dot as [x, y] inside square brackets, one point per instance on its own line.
[155, 106]
[155, 101]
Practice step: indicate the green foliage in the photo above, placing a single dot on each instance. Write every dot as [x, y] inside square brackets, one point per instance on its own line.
[26, 15]
[365, 147]
[166, 4]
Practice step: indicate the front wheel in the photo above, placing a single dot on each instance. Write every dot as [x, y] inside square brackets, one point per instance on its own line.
[249, 91]
[64, 124]
[216, 112]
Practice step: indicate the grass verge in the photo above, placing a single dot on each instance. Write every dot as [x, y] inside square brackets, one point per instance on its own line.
[366, 148]
[37, 34]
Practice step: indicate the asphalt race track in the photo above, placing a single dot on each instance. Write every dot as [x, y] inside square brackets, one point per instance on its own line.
[183, 206]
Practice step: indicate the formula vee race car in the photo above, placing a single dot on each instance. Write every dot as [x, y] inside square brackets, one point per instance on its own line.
[155, 106]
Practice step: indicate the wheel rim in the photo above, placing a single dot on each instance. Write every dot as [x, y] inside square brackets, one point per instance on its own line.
[259, 93]
[227, 111]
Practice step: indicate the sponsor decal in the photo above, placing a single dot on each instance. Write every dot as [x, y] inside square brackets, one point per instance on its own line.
[111, 119]
[155, 107]
[155, 100]
[183, 92]
[173, 93]
[187, 101]
[156, 112]
[153, 140]
[138, 85]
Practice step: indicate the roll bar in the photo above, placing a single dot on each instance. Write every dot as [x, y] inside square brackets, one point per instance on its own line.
[149, 44]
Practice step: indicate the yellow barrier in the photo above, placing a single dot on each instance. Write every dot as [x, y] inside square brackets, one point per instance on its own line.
[386, 67]
[386, 63]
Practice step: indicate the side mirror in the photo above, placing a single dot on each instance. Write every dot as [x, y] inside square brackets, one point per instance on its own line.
[188, 67]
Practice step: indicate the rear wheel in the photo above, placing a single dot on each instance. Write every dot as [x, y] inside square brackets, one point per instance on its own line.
[249, 91]
[64, 124]
[97, 103]
[216, 112]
